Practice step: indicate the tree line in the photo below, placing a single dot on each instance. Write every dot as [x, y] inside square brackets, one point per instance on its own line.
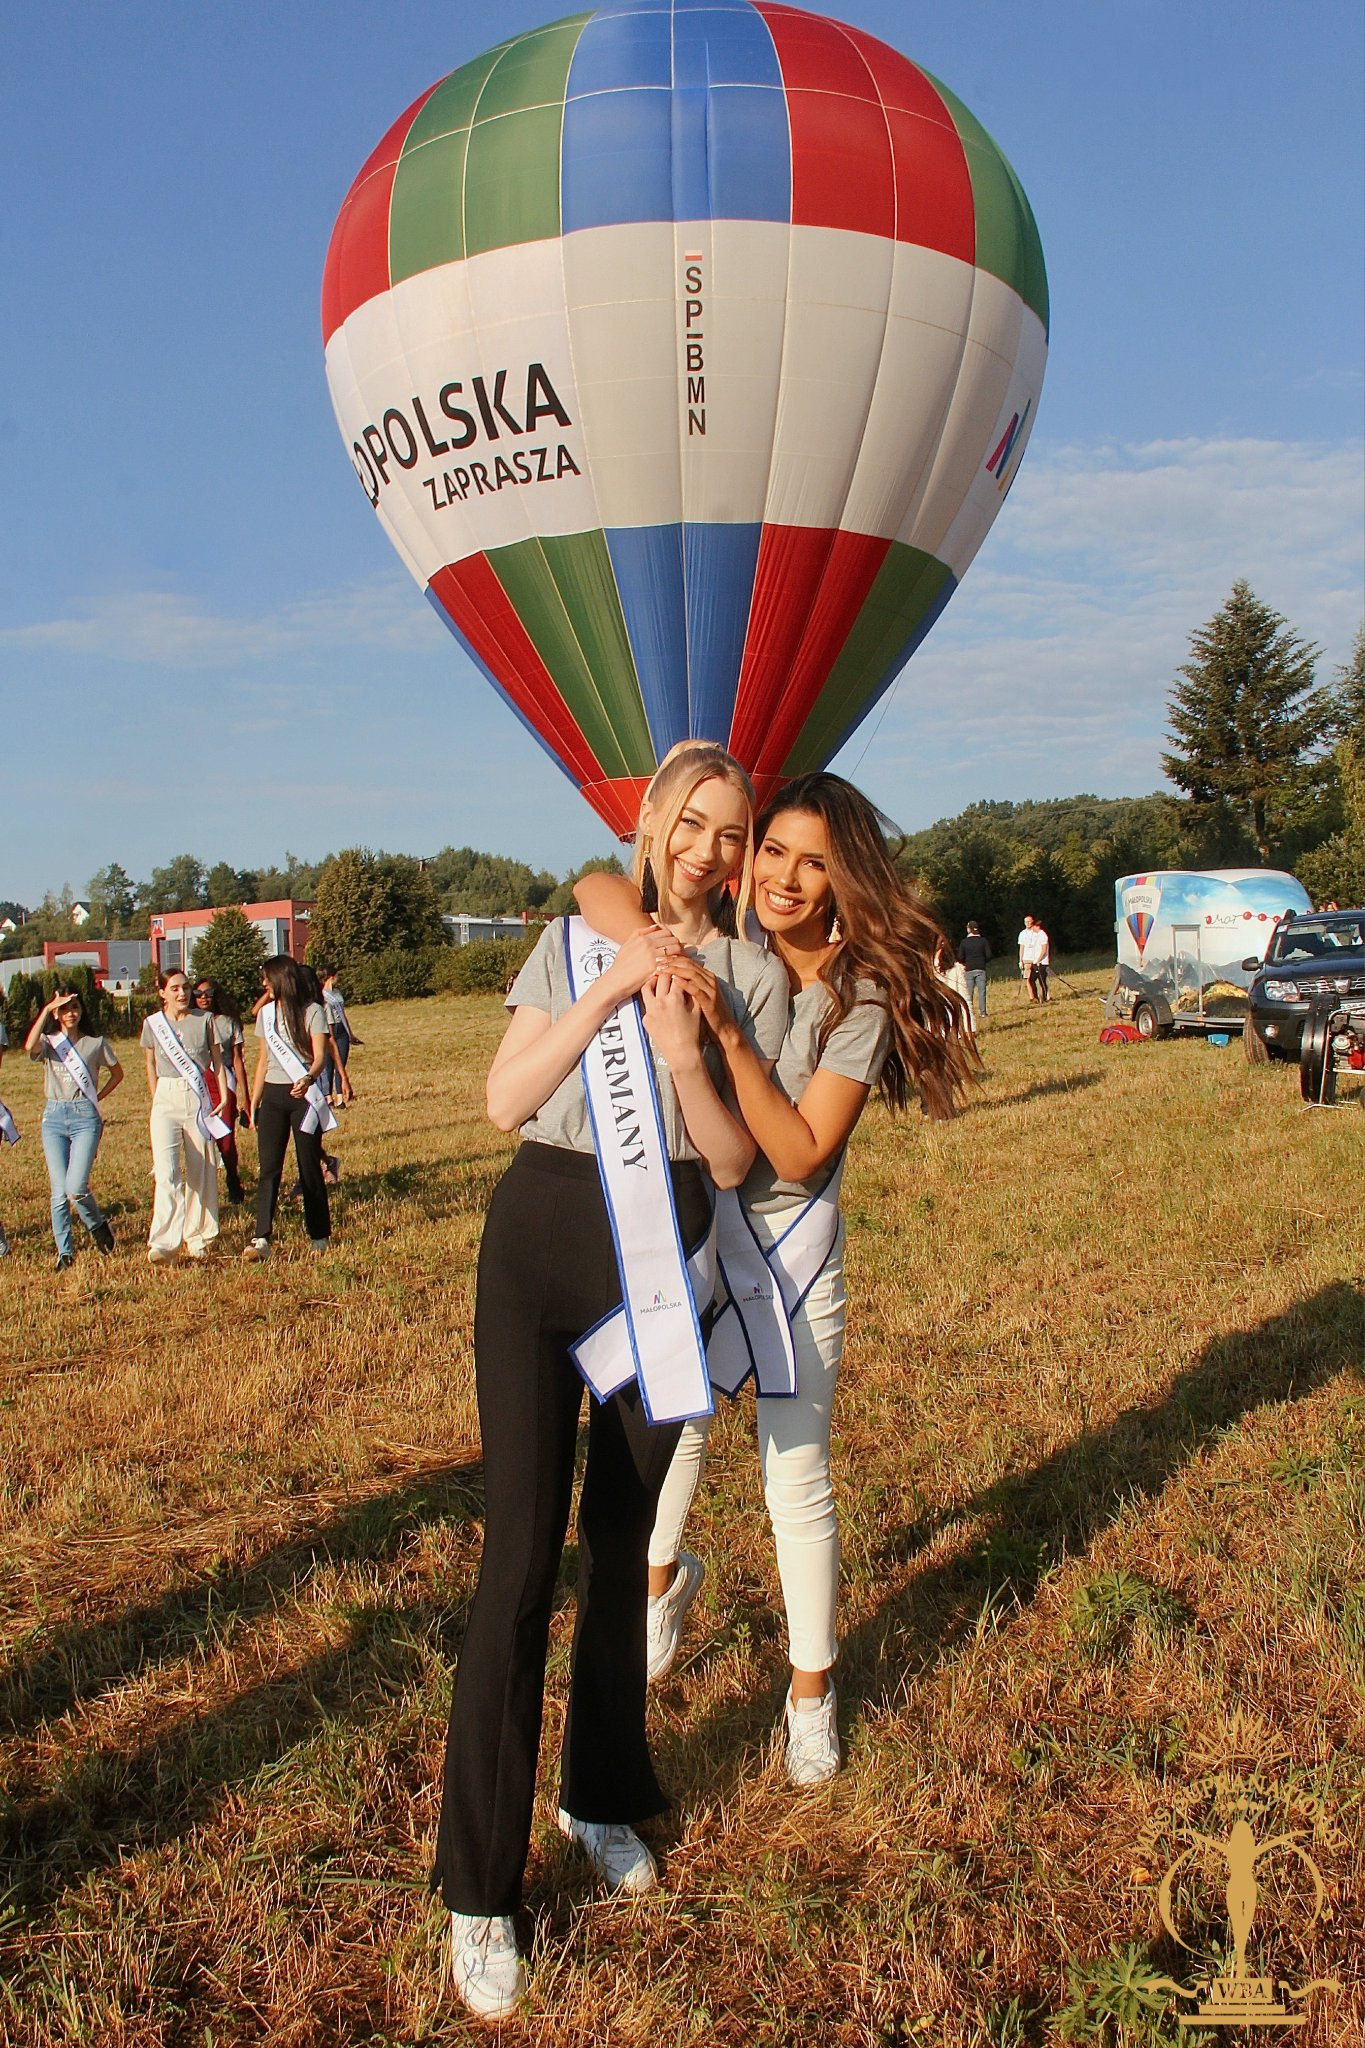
[1266, 764]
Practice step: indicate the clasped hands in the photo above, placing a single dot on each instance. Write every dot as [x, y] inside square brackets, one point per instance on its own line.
[678, 993]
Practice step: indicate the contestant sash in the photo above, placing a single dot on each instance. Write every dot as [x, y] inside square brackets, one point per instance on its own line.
[9, 1129]
[168, 1038]
[660, 1315]
[318, 1115]
[762, 1288]
[75, 1066]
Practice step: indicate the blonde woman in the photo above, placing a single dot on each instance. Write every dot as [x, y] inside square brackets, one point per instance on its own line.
[549, 1274]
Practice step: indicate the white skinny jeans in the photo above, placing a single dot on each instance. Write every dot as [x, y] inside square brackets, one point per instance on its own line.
[793, 1443]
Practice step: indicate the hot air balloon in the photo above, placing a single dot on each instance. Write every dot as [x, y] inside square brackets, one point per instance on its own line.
[1141, 898]
[686, 350]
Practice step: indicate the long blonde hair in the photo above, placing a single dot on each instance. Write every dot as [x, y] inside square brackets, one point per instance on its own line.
[683, 767]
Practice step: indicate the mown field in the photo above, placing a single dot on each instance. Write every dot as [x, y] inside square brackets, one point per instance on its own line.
[1101, 1451]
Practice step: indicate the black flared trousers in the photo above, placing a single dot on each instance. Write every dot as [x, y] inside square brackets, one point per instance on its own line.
[547, 1274]
[281, 1112]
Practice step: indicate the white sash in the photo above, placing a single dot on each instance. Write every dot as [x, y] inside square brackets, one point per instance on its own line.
[763, 1288]
[166, 1036]
[9, 1129]
[660, 1315]
[75, 1066]
[319, 1113]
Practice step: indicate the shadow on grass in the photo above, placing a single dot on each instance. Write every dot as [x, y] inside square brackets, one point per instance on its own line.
[441, 1188]
[80, 1660]
[1037, 1518]
[1070, 1084]
[103, 1800]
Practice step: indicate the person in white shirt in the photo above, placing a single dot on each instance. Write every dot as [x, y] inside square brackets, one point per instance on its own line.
[1035, 953]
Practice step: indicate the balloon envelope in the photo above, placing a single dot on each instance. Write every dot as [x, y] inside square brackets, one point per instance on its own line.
[686, 353]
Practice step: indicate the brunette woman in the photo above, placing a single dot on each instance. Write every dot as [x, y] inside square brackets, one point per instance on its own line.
[867, 1010]
[285, 1097]
[548, 1274]
[182, 1051]
[72, 1061]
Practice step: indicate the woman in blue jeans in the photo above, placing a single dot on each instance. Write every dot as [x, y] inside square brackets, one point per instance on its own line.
[72, 1124]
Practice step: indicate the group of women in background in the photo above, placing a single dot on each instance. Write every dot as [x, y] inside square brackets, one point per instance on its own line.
[194, 1047]
[784, 970]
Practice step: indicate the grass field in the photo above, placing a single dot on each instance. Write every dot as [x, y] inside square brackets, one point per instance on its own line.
[1101, 1449]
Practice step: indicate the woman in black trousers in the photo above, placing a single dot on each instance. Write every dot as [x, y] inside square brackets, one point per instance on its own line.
[285, 1098]
[547, 1274]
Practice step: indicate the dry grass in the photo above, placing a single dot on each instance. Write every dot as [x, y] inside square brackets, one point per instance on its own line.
[1102, 1458]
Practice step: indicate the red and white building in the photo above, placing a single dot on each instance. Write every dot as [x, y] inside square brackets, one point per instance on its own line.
[174, 934]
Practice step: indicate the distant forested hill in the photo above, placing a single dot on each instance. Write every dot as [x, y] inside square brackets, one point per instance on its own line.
[1058, 860]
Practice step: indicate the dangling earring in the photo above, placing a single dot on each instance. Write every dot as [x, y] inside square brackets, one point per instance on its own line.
[836, 933]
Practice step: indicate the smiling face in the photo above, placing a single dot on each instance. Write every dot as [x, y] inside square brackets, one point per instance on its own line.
[793, 894]
[707, 843]
[175, 996]
[69, 1014]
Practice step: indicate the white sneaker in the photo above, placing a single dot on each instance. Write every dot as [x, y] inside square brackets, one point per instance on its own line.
[487, 1972]
[615, 1851]
[667, 1613]
[813, 1752]
[256, 1248]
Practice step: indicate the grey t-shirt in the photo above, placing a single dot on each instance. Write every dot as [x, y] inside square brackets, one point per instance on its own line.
[194, 1034]
[755, 982]
[58, 1085]
[856, 1050]
[314, 1021]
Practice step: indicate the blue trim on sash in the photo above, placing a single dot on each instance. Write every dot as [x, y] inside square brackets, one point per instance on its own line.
[653, 1094]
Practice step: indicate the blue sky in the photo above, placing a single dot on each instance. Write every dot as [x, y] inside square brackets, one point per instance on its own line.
[206, 642]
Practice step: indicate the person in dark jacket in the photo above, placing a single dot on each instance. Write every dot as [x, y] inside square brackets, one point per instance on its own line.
[973, 952]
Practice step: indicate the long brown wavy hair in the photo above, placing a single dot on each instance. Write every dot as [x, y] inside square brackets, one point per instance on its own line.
[884, 933]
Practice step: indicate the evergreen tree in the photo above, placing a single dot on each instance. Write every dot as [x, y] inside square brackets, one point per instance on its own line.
[230, 953]
[1248, 725]
[1335, 871]
[1348, 692]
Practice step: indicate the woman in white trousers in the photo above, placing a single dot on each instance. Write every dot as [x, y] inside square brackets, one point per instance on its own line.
[181, 1049]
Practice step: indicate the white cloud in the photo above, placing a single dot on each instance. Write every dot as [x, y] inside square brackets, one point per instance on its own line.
[1050, 669]
[1048, 673]
[162, 628]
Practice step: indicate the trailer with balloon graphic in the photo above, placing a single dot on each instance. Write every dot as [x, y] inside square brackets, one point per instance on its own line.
[686, 351]
[1184, 940]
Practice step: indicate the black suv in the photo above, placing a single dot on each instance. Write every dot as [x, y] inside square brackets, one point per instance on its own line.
[1313, 958]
